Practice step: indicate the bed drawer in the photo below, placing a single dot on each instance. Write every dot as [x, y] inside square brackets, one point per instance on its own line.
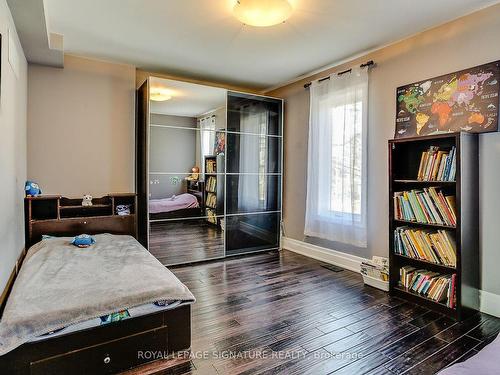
[106, 358]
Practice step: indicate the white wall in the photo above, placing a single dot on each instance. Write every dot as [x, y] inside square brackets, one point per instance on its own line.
[466, 42]
[13, 102]
[81, 122]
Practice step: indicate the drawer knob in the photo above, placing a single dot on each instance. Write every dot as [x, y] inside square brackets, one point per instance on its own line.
[107, 359]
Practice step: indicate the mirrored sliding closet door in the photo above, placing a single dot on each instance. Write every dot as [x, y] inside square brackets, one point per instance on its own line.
[253, 179]
[208, 171]
[186, 171]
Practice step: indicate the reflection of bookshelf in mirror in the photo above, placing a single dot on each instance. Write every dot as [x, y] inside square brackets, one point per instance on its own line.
[211, 189]
[433, 222]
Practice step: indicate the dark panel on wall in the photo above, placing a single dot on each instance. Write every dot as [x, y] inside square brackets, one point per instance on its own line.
[253, 114]
[253, 193]
[248, 233]
[253, 182]
[253, 154]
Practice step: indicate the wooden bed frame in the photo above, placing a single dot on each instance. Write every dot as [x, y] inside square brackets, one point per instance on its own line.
[183, 213]
[107, 349]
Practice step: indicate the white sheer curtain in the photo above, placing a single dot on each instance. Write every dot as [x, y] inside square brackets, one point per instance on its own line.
[252, 189]
[207, 138]
[336, 175]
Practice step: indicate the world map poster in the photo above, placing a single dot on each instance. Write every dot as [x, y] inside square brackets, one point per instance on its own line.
[462, 101]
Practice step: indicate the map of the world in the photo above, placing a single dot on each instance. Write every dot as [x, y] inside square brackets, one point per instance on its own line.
[462, 101]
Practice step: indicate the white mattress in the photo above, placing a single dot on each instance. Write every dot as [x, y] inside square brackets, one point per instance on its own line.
[133, 312]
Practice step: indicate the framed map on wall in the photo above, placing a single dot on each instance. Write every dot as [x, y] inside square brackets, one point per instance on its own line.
[462, 101]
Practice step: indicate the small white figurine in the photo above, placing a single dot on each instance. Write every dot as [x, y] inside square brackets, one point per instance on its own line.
[87, 200]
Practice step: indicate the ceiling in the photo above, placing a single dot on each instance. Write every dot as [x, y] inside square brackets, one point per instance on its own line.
[188, 99]
[202, 39]
[39, 46]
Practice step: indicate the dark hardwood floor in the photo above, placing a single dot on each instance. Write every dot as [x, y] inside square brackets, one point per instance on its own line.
[282, 313]
[185, 241]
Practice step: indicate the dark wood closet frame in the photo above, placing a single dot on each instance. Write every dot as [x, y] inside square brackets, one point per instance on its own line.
[110, 348]
[141, 162]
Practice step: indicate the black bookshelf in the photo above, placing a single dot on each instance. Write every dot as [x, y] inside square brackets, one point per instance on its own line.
[404, 160]
[213, 172]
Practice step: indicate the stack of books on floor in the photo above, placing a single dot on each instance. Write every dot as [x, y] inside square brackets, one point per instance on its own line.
[427, 206]
[429, 245]
[437, 165]
[378, 268]
[376, 272]
[432, 285]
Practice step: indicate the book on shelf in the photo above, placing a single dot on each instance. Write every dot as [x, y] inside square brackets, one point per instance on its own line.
[436, 246]
[432, 285]
[211, 200]
[211, 184]
[211, 216]
[210, 166]
[437, 165]
[427, 206]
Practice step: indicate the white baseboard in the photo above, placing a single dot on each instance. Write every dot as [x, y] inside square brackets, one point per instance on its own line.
[489, 302]
[337, 258]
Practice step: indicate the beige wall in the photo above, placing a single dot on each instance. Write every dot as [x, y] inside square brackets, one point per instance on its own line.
[466, 42]
[81, 127]
[13, 98]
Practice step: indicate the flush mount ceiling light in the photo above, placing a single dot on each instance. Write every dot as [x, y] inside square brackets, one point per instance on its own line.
[160, 94]
[262, 13]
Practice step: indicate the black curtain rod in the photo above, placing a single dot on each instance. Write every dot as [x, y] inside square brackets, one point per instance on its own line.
[368, 63]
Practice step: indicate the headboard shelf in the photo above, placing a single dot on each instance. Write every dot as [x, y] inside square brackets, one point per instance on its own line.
[84, 207]
[60, 216]
[42, 197]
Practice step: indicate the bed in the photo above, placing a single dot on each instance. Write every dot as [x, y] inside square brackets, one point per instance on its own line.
[178, 206]
[92, 310]
[483, 363]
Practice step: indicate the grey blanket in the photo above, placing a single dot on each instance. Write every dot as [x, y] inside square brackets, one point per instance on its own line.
[60, 284]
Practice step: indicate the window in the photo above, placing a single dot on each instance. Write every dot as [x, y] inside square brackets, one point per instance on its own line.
[263, 146]
[256, 185]
[336, 179]
[346, 161]
[207, 138]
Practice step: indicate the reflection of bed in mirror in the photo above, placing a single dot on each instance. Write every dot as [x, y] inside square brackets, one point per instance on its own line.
[177, 206]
